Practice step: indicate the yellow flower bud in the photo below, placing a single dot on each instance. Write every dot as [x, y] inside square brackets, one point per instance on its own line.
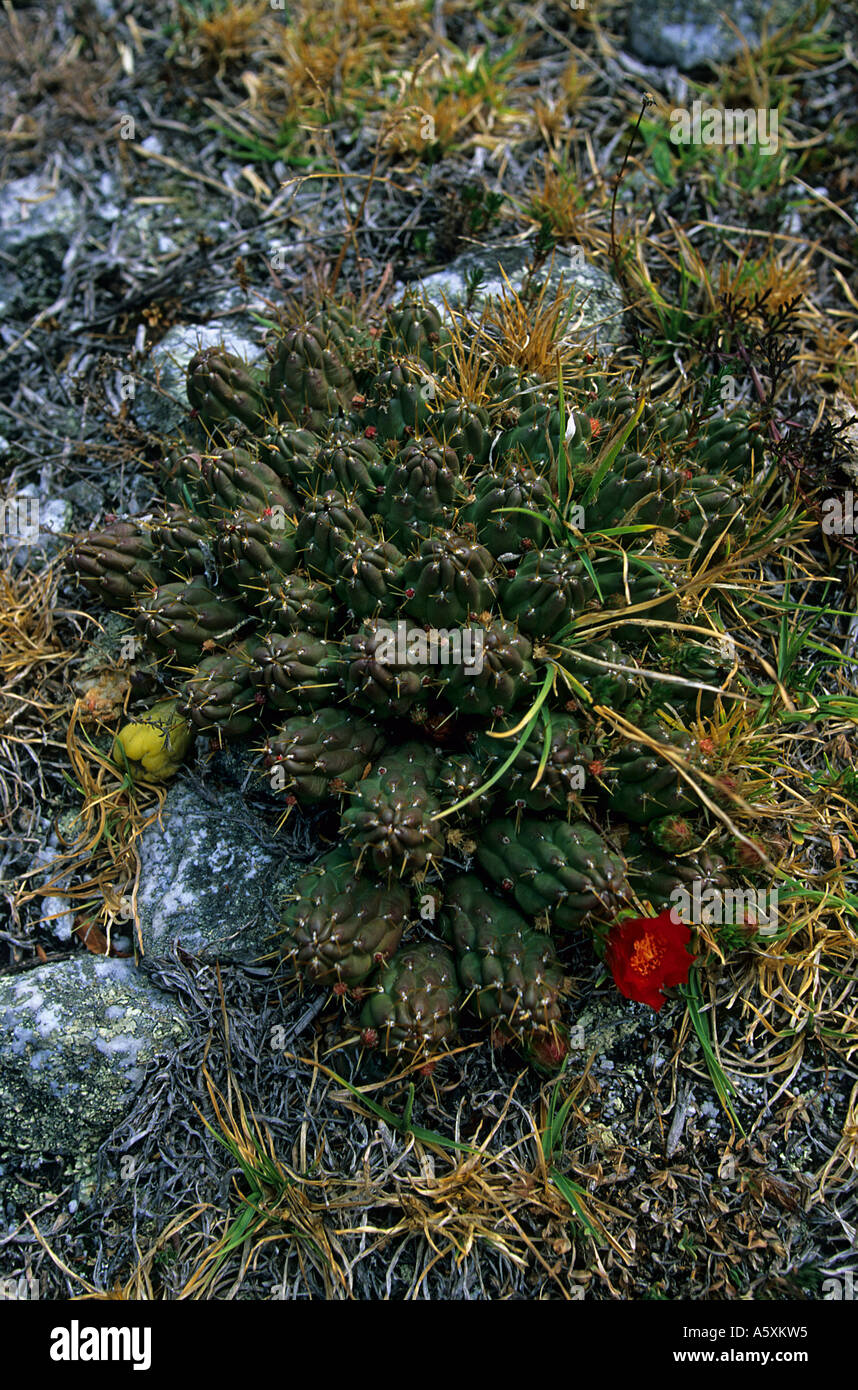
[154, 745]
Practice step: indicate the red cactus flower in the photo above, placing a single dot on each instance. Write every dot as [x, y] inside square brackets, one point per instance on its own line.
[647, 955]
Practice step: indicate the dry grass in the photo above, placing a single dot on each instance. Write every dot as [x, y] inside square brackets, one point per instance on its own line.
[98, 869]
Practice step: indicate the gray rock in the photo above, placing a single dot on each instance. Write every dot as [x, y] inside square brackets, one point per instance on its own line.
[37, 223]
[75, 1040]
[86, 496]
[607, 1024]
[690, 33]
[57, 916]
[211, 878]
[595, 301]
[161, 404]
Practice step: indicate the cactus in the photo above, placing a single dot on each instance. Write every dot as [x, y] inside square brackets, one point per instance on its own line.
[322, 756]
[675, 834]
[248, 550]
[220, 695]
[654, 876]
[644, 785]
[591, 663]
[729, 445]
[378, 675]
[368, 567]
[293, 603]
[234, 480]
[448, 580]
[295, 670]
[118, 563]
[292, 455]
[399, 404]
[391, 815]
[328, 522]
[505, 511]
[341, 927]
[636, 492]
[460, 776]
[499, 675]
[548, 772]
[185, 543]
[417, 330]
[548, 589]
[508, 972]
[184, 621]
[308, 381]
[464, 428]
[420, 490]
[222, 388]
[711, 514]
[351, 465]
[551, 866]
[367, 572]
[415, 1004]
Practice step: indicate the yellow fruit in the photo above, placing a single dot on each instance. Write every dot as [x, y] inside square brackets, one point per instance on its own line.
[154, 745]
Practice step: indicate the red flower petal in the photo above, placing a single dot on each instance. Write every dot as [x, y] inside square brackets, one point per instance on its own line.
[647, 955]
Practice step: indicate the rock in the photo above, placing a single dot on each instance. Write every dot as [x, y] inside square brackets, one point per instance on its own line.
[691, 34]
[596, 299]
[57, 916]
[211, 878]
[86, 496]
[161, 404]
[75, 1040]
[37, 223]
[607, 1024]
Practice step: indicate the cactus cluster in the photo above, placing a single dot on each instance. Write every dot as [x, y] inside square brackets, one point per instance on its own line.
[413, 601]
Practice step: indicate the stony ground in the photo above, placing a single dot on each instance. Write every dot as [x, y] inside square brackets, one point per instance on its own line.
[183, 174]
